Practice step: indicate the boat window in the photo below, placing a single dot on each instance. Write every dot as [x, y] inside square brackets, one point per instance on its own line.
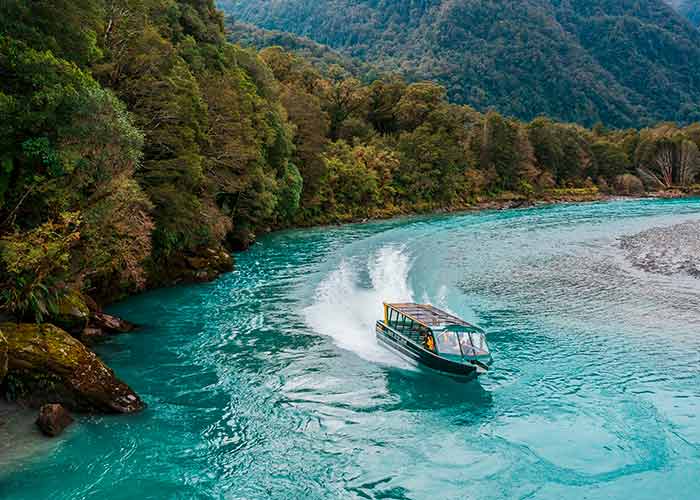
[473, 343]
[448, 343]
[394, 318]
[401, 322]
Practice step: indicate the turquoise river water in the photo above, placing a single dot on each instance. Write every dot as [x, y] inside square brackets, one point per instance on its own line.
[268, 383]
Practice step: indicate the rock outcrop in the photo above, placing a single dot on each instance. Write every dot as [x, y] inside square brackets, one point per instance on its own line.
[102, 325]
[73, 313]
[205, 264]
[47, 365]
[53, 419]
[110, 324]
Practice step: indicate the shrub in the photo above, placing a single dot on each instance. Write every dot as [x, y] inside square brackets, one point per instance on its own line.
[628, 184]
[34, 264]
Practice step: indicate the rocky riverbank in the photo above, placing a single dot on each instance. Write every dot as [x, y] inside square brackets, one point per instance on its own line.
[50, 366]
[666, 250]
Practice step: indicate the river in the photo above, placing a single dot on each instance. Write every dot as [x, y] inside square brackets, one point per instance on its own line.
[268, 383]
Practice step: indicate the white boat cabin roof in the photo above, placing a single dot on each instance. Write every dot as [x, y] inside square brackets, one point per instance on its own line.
[427, 315]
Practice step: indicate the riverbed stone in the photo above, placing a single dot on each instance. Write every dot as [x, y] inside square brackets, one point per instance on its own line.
[48, 365]
[53, 419]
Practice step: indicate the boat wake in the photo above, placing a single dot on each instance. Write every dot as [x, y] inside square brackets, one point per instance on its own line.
[348, 302]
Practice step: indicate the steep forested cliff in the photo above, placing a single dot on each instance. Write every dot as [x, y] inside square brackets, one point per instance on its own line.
[622, 62]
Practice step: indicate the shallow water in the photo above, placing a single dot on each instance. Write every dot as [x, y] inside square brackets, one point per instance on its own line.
[269, 384]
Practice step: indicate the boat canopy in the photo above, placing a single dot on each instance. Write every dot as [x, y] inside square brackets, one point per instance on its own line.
[430, 317]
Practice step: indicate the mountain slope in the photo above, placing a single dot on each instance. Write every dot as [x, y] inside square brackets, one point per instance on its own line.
[321, 56]
[622, 62]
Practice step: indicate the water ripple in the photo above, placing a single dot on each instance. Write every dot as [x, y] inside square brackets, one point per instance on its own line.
[268, 383]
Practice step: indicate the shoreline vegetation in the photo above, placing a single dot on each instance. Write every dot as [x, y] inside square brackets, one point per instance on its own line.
[139, 148]
[509, 201]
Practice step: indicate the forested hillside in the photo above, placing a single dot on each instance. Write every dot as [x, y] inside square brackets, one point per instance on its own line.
[621, 62]
[320, 56]
[137, 145]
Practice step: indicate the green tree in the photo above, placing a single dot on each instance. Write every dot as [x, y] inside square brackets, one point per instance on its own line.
[417, 103]
[500, 150]
[609, 160]
[68, 28]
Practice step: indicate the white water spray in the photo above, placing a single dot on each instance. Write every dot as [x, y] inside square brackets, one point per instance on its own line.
[347, 312]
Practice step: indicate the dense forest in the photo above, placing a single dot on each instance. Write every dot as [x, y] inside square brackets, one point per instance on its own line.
[138, 146]
[322, 57]
[622, 62]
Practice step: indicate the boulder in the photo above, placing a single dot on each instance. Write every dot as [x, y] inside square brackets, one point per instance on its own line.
[73, 314]
[47, 365]
[53, 419]
[91, 336]
[200, 265]
[197, 263]
[111, 324]
[215, 261]
[3, 357]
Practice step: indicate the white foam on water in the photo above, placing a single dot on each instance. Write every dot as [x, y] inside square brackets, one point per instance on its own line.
[346, 311]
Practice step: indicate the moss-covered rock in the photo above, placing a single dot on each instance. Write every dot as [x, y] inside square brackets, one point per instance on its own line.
[73, 313]
[47, 365]
[3, 357]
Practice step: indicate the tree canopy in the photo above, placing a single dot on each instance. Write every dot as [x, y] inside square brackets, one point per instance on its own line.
[621, 62]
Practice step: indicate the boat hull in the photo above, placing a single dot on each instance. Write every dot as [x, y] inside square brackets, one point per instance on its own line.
[423, 357]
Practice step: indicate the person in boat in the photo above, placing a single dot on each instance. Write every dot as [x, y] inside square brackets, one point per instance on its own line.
[428, 340]
[430, 343]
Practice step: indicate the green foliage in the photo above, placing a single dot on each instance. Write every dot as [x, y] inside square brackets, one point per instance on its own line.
[34, 263]
[289, 196]
[321, 56]
[609, 160]
[350, 187]
[68, 28]
[418, 101]
[69, 146]
[621, 62]
[41, 93]
[499, 150]
[431, 160]
[170, 142]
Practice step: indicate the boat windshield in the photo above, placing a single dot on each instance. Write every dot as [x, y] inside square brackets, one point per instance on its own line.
[473, 343]
[448, 342]
[461, 343]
